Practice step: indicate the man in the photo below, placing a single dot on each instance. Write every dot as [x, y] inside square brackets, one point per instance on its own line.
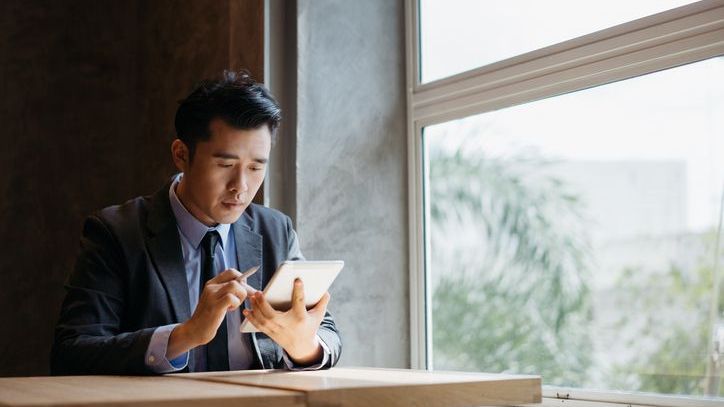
[156, 287]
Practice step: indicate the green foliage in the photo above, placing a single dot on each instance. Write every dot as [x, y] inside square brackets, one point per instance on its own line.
[510, 264]
[677, 302]
[503, 302]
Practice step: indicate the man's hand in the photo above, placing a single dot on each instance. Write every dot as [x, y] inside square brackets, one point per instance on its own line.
[294, 330]
[221, 294]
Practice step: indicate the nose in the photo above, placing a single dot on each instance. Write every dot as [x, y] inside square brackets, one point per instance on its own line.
[239, 185]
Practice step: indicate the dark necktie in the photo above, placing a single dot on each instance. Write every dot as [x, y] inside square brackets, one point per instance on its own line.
[217, 353]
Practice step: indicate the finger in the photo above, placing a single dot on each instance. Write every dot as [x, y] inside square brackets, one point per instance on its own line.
[224, 276]
[298, 305]
[266, 325]
[234, 288]
[262, 305]
[250, 291]
[249, 316]
[321, 306]
[230, 301]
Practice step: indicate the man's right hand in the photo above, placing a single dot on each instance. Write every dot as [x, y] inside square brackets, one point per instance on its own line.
[220, 295]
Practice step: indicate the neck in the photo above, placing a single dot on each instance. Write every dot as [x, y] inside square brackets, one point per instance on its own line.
[185, 199]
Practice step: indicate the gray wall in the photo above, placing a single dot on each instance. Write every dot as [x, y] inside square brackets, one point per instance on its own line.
[351, 194]
[89, 91]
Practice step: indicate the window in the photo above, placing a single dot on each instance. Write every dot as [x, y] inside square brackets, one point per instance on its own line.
[568, 204]
[484, 32]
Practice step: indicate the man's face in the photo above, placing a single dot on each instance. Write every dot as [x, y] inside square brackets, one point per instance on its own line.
[225, 174]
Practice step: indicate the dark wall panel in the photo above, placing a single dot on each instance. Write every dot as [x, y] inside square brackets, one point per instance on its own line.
[88, 93]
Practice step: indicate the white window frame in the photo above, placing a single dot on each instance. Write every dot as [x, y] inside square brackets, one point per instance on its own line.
[675, 37]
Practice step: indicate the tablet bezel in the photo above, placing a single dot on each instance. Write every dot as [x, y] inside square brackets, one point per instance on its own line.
[317, 277]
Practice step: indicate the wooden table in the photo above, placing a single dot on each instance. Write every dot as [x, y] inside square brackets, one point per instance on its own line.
[137, 391]
[334, 387]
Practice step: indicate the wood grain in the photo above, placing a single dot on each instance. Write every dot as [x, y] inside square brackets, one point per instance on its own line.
[391, 387]
[136, 391]
[272, 388]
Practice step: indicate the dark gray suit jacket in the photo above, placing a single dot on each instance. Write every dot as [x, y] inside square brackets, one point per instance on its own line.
[129, 279]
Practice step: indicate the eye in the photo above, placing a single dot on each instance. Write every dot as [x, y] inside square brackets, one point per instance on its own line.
[225, 165]
[257, 168]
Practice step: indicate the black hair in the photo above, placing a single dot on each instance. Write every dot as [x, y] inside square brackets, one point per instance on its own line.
[235, 98]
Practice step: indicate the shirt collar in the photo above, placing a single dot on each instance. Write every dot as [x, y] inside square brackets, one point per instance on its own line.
[193, 229]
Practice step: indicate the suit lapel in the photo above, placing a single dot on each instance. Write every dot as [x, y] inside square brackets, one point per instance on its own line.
[248, 249]
[164, 249]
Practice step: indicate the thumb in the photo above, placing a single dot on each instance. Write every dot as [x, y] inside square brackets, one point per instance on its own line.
[321, 306]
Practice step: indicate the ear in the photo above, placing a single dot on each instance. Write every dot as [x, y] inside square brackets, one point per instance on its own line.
[180, 155]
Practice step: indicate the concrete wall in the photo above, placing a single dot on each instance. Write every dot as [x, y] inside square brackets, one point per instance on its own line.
[89, 89]
[351, 193]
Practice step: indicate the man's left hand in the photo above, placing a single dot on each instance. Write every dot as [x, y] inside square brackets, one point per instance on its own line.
[294, 330]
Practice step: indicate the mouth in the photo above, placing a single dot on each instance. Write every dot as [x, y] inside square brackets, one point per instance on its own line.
[232, 204]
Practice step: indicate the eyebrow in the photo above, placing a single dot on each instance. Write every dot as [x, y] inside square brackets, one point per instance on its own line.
[229, 156]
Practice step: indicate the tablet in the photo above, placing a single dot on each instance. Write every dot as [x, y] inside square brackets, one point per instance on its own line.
[317, 277]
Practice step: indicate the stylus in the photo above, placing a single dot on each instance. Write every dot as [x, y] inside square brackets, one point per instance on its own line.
[247, 274]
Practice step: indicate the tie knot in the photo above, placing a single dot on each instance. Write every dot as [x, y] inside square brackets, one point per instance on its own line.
[210, 240]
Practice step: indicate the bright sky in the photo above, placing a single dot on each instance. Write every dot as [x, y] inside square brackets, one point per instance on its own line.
[673, 115]
[458, 35]
[671, 119]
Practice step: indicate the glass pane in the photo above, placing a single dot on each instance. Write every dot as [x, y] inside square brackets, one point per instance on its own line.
[459, 35]
[577, 237]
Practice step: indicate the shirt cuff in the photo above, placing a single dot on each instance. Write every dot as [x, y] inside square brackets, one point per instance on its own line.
[325, 358]
[156, 352]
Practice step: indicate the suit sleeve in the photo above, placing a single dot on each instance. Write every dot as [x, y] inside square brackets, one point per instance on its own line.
[328, 332]
[88, 335]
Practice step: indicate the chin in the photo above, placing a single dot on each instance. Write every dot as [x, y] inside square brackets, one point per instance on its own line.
[229, 216]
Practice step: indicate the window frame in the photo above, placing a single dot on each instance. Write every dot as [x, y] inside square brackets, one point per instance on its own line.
[675, 37]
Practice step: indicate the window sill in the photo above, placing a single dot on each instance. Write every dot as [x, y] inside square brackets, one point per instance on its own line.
[560, 396]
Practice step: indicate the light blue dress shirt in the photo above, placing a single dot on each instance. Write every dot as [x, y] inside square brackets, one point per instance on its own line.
[241, 353]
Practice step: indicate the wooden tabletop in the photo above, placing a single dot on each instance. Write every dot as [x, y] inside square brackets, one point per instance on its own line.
[390, 387]
[136, 391]
[337, 386]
